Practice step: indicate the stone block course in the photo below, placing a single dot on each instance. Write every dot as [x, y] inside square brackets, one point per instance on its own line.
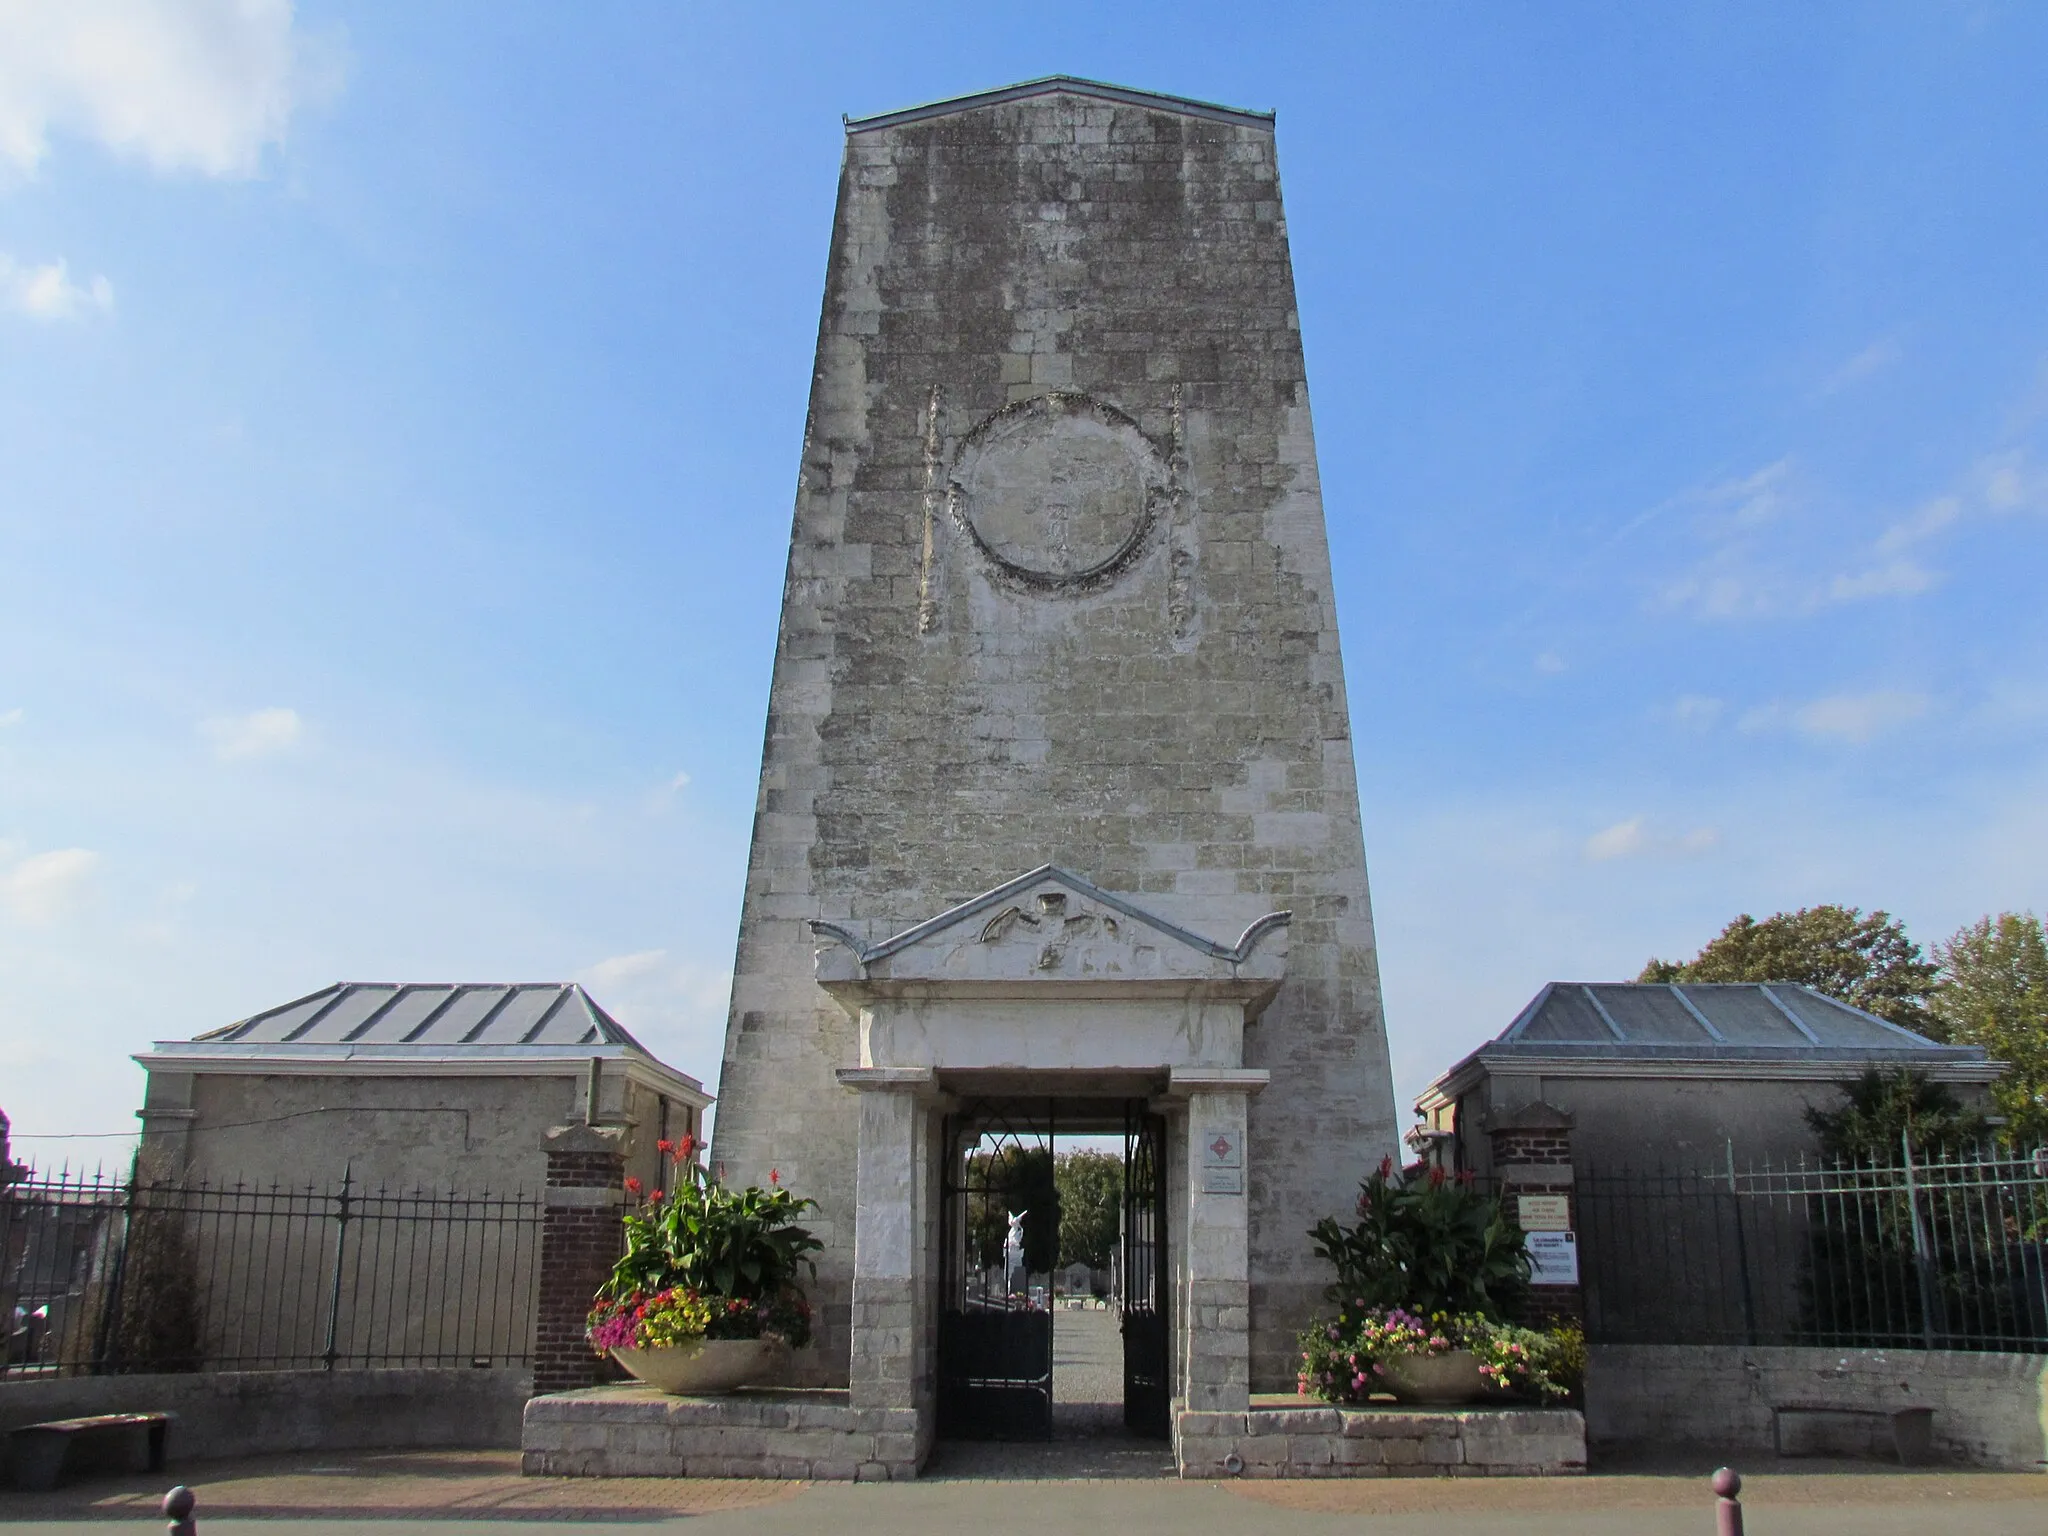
[634, 1431]
[1380, 1442]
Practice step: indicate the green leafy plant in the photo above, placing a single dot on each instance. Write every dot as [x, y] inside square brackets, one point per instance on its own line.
[721, 1244]
[1346, 1361]
[1436, 1245]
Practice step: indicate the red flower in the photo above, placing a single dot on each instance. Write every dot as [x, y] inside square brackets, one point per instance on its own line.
[1465, 1177]
[632, 1185]
[686, 1146]
[1386, 1167]
[655, 1198]
[665, 1145]
[1436, 1178]
[774, 1175]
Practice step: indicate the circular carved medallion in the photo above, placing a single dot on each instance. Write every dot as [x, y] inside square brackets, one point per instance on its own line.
[1059, 491]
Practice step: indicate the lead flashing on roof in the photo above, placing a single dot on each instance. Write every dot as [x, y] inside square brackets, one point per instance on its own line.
[1071, 85]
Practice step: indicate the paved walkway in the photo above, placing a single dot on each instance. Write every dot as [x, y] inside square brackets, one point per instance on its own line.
[332, 1495]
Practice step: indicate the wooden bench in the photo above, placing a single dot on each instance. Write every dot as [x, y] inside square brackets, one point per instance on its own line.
[38, 1451]
[1912, 1429]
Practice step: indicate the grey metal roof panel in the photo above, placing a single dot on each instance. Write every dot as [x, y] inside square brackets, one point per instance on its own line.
[1654, 1018]
[1569, 1015]
[1649, 1014]
[433, 1015]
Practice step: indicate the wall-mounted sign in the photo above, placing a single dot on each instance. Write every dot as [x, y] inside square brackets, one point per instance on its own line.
[1222, 1160]
[1544, 1213]
[1553, 1258]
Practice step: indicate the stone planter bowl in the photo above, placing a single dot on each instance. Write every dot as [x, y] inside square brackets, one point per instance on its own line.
[1435, 1380]
[707, 1366]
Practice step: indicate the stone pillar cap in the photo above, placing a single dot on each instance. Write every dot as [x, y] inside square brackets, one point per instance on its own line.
[586, 1138]
[1537, 1116]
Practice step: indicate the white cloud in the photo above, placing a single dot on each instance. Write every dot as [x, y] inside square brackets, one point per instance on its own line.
[262, 733]
[48, 293]
[620, 970]
[1631, 839]
[1898, 578]
[1695, 712]
[1926, 522]
[1873, 359]
[680, 782]
[182, 85]
[12, 716]
[1549, 663]
[1744, 575]
[1859, 717]
[2011, 482]
[1852, 717]
[44, 886]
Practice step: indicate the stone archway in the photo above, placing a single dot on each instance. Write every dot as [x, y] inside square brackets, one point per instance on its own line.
[1049, 986]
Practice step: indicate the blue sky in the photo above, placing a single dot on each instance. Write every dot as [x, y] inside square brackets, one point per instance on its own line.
[400, 408]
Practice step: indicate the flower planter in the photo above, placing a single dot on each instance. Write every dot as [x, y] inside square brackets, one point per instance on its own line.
[1435, 1380]
[706, 1366]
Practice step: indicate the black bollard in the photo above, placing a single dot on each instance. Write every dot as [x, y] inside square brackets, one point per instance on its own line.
[178, 1510]
[1727, 1507]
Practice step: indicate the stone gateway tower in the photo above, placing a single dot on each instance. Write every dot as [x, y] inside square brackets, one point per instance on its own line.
[1058, 816]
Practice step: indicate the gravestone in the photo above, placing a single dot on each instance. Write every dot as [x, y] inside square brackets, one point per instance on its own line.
[1059, 594]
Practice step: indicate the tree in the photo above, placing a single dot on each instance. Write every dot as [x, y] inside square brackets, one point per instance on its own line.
[1994, 993]
[1021, 1179]
[1882, 1108]
[1867, 962]
[1091, 1188]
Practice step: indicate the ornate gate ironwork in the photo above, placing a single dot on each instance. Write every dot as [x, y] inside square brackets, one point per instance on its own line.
[1143, 1274]
[995, 1339]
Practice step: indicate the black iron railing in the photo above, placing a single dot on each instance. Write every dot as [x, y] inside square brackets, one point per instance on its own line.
[102, 1274]
[1915, 1252]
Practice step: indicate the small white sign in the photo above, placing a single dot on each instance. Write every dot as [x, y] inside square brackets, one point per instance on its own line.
[1222, 1181]
[1222, 1149]
[1553, 1258]
[1544, 1213]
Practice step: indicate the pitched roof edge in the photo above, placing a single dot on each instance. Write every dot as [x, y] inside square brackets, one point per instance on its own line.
[1073, 85]
[1081, 886]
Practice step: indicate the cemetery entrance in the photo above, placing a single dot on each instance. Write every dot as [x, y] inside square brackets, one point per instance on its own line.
[1007, 1286]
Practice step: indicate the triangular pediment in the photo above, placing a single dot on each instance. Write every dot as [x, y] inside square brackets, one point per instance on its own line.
[1052, 925]
[1064, 85]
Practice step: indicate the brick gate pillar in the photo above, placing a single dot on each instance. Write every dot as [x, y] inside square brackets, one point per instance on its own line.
[1532, 1171]
[581, 1237]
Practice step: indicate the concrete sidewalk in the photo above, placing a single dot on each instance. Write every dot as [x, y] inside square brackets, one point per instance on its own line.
[331, 1495]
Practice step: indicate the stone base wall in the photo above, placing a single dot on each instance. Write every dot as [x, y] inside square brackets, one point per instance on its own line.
[1380, 1442]
[247, 1413]
[635, 1431]
[1990, 1410]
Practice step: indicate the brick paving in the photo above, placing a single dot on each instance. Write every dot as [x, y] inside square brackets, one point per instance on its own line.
[307, 1495]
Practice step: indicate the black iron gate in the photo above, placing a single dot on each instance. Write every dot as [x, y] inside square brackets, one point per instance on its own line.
[1143, 1273]
[995, 1336]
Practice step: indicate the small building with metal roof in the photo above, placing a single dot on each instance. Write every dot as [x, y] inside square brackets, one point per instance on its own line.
[435, 1085]
[1676, 1074]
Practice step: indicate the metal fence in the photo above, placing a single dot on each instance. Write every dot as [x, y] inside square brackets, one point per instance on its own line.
[101, 1274]
[1943, 1253]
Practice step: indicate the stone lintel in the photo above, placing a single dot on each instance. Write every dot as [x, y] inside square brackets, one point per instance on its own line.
[1183, 1081]
[923, 1081]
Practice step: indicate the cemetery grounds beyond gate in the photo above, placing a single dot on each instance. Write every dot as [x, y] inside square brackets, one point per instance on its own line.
[995, 1338]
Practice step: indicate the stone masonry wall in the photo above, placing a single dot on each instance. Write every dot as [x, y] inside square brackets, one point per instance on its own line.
[1381, 1442]
[1990, 1410]
[1050, 323]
